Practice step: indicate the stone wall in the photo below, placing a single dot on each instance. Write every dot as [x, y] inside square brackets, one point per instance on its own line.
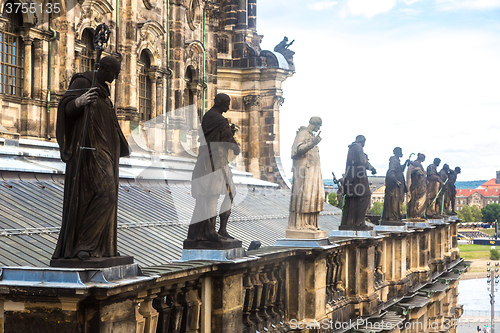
[175, 44]
[407, 279]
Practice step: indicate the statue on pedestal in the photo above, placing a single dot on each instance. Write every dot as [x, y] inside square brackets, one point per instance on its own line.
[434, 184]
[212, 178]
[395, 189]
[356, 187]
[283, 48]
[451, 191]
[308, 194]
[417, 189]
[442, 201]
[91, 143]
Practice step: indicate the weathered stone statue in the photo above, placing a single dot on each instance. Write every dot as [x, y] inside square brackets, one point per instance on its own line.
[434, 183]
[442, 202]
[451, 191]
[417, 189]
[89, 222]
[395, 189]
[340, 190]
[212, 178]
[308, 194]
[356, 187]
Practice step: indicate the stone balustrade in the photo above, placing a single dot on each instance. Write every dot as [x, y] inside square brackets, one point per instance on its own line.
[408, 277]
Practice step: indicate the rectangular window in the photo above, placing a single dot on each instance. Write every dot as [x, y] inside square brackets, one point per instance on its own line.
[144, 94]
[11, 62]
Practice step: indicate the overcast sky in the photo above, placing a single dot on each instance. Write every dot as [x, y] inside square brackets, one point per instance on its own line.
[422, 75]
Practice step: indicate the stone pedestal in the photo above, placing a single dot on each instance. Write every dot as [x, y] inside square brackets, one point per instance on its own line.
[76, 278]
[305, 234]
[436, 221]
[102, 262]
[391, 228]
[350, 233]
[393, 223]
[417, 223]
[234, 254]
[295, 242]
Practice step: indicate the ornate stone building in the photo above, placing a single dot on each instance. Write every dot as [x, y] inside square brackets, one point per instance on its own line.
[176, 55]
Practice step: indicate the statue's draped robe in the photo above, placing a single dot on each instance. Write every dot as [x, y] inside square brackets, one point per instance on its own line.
[394, 193]
[308, 194]
[89, 223]
[356, 187]
[417, 190]
[451, 191]
[433, 183]
[212, 176]
[442, 202]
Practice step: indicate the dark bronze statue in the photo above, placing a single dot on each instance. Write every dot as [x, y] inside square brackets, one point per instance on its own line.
[89, 224]
[356, 187]
[395, 189]
[283, 48]
[451, 190]
[442, 202]
[212, 177]
[434, 184]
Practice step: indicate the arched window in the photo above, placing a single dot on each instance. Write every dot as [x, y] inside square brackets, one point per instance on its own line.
[11, 53]
[144, 87]
[87, 54]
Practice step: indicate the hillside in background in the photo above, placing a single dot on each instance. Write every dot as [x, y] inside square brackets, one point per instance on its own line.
[459, 184]
[469, 184]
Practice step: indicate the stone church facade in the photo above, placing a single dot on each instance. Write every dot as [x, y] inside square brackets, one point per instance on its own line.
[176, 55]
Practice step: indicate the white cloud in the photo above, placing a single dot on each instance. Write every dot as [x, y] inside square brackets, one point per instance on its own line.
[410, 2]
[322, 5]
[450, 5]
[369, 8]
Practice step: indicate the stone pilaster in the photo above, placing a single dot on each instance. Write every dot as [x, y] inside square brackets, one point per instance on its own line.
[252, 106]
[28, 68]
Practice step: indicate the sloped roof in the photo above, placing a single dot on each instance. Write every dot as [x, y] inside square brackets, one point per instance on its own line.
[153, 218]
[482, 192]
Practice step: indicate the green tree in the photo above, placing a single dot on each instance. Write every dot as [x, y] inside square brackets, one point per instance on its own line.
[332, 199]
[470, 214]
[476, 214]
[491, 212]
[377, 208]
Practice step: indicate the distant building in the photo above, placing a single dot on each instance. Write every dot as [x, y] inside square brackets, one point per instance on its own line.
[487, 193]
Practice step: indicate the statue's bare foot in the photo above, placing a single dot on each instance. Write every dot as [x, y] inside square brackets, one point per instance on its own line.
[224, 234]
[83, 255]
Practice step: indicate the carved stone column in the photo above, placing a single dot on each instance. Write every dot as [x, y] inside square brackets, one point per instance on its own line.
[150, 315]
[252, 105]
[28, 68]
[152, 77]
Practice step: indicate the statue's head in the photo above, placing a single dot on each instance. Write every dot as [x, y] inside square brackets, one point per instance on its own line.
[420, 157]
[109, 68]
[458, 170]
[316, 122]
[398, 152]
[437, 161]
[446, 167]
[361, 140]
[222, 101]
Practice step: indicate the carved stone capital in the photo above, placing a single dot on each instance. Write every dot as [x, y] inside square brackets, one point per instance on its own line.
[279, 100]
[252, 100]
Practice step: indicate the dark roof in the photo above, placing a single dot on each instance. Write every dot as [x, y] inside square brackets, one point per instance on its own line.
[416, 301]
[153, 218]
